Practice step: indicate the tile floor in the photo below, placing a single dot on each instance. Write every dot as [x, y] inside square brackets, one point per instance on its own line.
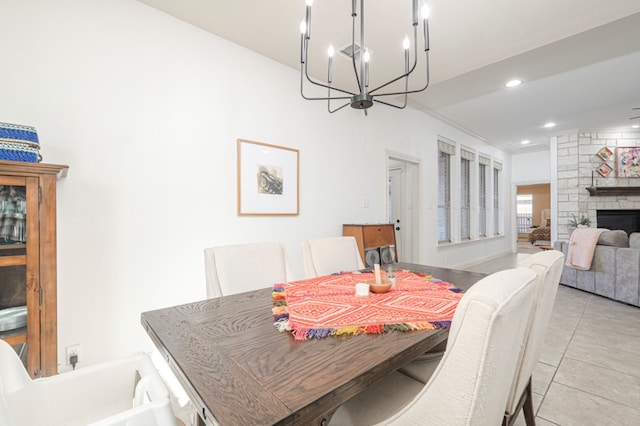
[589, 369]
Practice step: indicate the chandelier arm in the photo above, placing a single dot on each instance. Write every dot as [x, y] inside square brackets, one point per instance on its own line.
[329, 101]
[391, 105]
[316, 99]
[410, 91]
[337, 109]
[322, 85]
[415, 62]
[406, 88]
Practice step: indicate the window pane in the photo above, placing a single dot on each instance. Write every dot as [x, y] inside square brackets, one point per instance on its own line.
[496, 201]
[465, 199]
[444, 197]
[482, 200]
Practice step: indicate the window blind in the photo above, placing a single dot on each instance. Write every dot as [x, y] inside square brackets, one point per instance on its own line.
[465, 199]
[482, 199]
[444, 197]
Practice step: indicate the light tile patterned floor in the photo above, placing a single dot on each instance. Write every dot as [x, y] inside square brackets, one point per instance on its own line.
[589, 370]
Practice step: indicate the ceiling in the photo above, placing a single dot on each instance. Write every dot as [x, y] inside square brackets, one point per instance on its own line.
[579, 60]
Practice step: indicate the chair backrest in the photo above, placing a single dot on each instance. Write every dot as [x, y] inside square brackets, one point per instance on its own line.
[471, 384]
[326, 256]
[105, 393]
[545, 217]
[548, 265]
[244, 267]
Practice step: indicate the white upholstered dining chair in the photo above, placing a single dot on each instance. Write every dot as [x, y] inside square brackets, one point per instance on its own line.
[548, 266]
[115, 393]
[471, 383]
[325, 256]
[243, 267]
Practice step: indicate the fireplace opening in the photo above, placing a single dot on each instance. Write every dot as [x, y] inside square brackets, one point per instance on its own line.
[626, 220]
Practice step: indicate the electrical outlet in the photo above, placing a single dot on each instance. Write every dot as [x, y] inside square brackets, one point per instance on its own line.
[73, 350]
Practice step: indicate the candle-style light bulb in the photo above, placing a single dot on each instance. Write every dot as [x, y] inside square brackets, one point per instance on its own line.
[309, 2]
[425, 12]
[366, 58]
[303, 27]
[330, 52]
[425, 21]
[406, 44]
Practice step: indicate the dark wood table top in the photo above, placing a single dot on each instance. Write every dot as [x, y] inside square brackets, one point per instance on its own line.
[236, 367]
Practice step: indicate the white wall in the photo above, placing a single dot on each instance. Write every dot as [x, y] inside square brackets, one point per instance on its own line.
[533, 167]
[146, 110]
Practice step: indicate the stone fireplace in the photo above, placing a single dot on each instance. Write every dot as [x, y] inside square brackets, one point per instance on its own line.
[578, 161]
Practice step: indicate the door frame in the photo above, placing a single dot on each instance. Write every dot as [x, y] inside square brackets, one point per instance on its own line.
[412, 202]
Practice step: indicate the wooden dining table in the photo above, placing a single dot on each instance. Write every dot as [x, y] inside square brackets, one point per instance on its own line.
[237, 369]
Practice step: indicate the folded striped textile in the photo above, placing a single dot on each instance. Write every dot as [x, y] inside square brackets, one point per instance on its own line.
[19, 143]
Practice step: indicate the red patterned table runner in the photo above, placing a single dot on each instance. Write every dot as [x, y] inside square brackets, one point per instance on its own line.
[323, 306]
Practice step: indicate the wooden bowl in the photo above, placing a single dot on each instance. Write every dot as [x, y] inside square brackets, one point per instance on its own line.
[379, 288]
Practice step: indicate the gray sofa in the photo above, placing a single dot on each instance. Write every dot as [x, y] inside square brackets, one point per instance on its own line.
[615, 270]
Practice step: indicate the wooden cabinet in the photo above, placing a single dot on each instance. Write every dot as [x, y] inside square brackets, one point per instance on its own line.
[377, 243]
[28, 262]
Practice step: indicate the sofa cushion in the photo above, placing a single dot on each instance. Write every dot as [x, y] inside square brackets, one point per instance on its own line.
[615, 238]
[634, 240]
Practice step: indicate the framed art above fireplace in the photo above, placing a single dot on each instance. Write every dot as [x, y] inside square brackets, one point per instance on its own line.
[628, 161]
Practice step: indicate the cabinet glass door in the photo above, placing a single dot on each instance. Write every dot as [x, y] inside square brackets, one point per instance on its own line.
[19, 288]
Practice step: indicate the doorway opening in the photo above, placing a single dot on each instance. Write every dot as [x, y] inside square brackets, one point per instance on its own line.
[403, 189]
[533, 211]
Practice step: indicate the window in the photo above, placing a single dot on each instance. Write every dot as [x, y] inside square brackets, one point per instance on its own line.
[497, 167]
[444, 197]
[466, 157]
[524, 212]
[465, 199]
[482, 195]
[445, 151]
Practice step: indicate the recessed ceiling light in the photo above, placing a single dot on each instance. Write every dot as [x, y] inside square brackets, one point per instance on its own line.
[525, 142]
[550, 125]
[636, 126]
[513, 83]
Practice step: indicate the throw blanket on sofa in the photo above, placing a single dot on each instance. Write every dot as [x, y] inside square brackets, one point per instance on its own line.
[582, 246]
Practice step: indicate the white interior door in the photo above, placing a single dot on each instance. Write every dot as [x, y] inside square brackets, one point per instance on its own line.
[396, 206]
[403, 187]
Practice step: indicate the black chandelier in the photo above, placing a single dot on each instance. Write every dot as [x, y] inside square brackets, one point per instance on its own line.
[365, 98]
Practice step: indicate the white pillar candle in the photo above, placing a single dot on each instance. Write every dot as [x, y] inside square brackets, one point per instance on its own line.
[362, 289]
[376, 268]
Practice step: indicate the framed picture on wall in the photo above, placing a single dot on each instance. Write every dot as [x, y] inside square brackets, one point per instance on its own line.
[605, 154]
[604, 169]
[628, 161]
[268, 179]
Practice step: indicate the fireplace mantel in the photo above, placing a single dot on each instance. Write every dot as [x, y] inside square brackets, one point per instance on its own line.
[604, 191]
